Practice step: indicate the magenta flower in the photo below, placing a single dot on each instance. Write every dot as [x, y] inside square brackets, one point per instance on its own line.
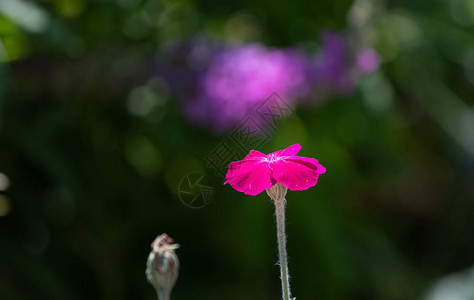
[276, 173]
[258, 171]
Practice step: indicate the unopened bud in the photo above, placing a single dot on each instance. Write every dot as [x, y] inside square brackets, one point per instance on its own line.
[162, 267]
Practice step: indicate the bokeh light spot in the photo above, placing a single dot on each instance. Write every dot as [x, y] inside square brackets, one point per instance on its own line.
[242, 27]
[143, 156]
[26, 14]
[144, 99]
[137, 25]
[5, 206]
[4, 182]
[378, 93]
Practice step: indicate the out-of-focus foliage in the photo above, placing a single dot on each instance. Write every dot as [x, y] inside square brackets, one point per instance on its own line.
[94, 144]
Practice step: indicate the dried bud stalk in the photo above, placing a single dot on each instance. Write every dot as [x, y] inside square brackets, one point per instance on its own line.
[162, 267]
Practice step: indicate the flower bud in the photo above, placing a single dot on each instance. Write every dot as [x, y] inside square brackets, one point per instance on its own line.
[162, 266]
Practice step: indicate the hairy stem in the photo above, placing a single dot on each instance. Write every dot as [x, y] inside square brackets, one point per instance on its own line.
[281, 235]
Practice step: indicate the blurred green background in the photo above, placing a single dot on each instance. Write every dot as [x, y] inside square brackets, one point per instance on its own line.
[86, 184]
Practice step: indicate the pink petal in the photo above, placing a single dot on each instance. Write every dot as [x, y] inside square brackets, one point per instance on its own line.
[297, 173]
[254, 154]
[292, 150]
[249, 176]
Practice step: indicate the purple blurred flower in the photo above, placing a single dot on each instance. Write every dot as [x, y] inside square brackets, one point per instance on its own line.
[221, 86]
[239, 79]
[338, 67]
[331, 68]
[367, 61]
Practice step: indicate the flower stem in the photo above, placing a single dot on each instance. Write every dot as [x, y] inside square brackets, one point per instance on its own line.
[281, 235]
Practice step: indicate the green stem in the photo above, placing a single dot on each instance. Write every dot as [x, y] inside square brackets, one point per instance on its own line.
[281, 235]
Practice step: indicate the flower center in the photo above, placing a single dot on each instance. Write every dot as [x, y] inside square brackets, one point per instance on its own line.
[272, 158]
